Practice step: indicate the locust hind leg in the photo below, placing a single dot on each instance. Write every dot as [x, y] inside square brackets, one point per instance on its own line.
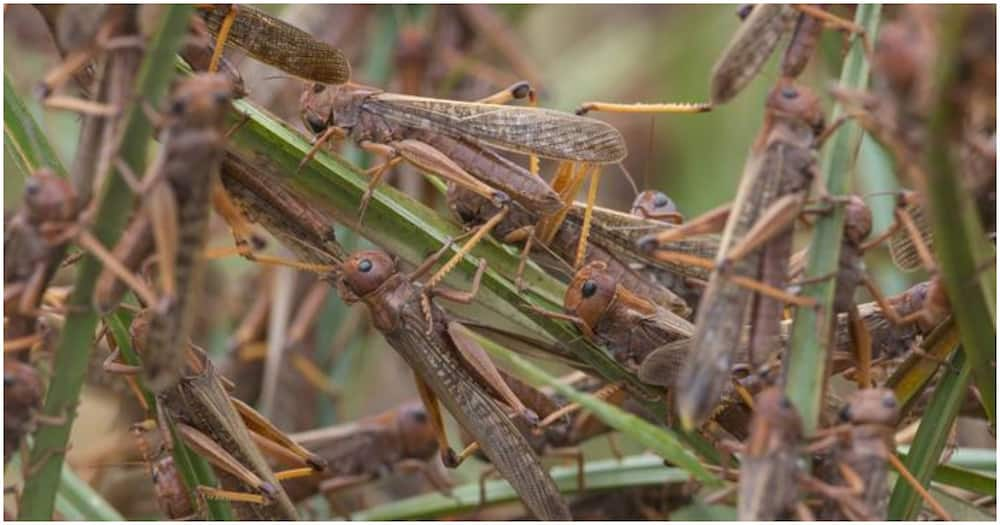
[477, 358]
[448, 456]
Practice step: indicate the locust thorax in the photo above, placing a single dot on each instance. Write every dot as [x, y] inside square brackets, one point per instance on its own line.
[794, 105]
[364, 272]
[415, 432]
[590, 293]
[48, 198]
[857, 220]
[775, 422]
[201, 101]
[656, 205]
[871, 406]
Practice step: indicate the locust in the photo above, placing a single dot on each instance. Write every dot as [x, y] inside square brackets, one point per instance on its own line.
[752, 262]
[401, 439]
[32, 247]
[35, 240]
[179, 204]
[228, 433]
[861, 457]
[171, 494]
[519, 224]
[451, 367]
[769, 471]
[759, 35]
[22, 398]
[860, 452]
[635, 330]
[402, 127]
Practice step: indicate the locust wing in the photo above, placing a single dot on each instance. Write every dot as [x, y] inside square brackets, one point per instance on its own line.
[543, 132]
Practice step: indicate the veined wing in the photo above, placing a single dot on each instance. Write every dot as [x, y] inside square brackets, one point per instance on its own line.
[539, 131]
[280, 44]
[750, 48]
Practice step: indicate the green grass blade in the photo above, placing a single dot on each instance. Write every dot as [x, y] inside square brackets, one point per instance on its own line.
[631, 471]
[23, 138]
[76, 494]
[931, 439]
[960, 243]
[805, 374]
[73, 349]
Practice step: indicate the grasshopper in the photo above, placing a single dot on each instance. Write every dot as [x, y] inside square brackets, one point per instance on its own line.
[446, 362]
[862, 455]
[171, 494]
[635, 330]
[760, 34]
[400, 126]
[519, 225]
[223, 430]
[754, 249]
[35, 240]
[179, 206]
[22, 397]
[400, 439]
[769, 471]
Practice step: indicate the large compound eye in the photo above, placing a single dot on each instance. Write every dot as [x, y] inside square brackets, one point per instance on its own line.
[660, 200]
[789, 92]
[889, 401]
[845, 413]
[32, 187]
[316, 125]
[365, 265]
[221, 98]
[588, 289]
[178, 106]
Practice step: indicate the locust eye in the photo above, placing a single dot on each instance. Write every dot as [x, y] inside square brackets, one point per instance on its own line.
[789, 93]
[785, 403]
[221, 98]
[588, 289]
[178, 106]
[889, 401]
[8, 380]
[33, 187]
[319, 88]
[365, 265]
[316, 125]
[660, 200]
[420, 417]
[845, 413]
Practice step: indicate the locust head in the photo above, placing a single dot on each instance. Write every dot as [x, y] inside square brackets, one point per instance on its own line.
[323, 106]
[795, 104]
[775, 424]
[857, 220]
[590, 294]
[201, 101]
[48, 197]
[652, 204]
[417, 433]
[871, 406]
[363, 273]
